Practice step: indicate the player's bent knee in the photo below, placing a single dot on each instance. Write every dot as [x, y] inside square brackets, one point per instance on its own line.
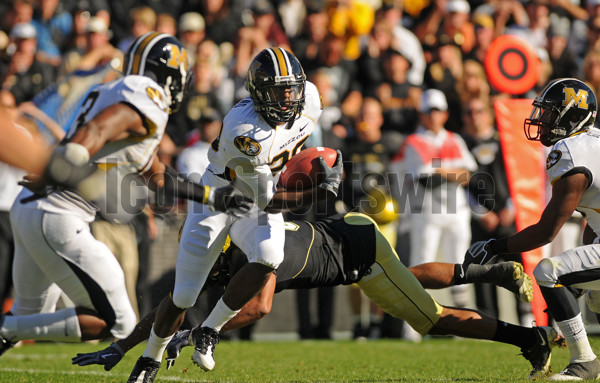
[545, 273]
[184, 298]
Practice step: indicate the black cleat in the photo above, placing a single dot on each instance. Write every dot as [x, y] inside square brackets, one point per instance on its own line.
[540, 353]
[144, 371]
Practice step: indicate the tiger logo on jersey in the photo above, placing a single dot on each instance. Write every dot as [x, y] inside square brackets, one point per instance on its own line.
[247, 145]
[553, 158]
[157, 97]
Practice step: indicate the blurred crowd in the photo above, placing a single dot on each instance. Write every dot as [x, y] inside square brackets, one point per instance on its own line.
[374, 63]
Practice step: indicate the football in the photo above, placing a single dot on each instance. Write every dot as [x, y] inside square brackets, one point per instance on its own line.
[303, 170]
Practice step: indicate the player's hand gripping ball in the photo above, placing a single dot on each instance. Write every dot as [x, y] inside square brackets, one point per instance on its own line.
[303, 171]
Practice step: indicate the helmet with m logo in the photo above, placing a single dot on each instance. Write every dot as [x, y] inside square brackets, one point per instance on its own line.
[162, 58]
[565, 106]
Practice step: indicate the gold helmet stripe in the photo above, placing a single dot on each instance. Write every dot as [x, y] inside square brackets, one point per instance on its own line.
[281, 60]
[137, 58]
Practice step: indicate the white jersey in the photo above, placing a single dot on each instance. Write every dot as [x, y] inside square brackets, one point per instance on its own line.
[133, 154]
[246, 138]
[579, 154]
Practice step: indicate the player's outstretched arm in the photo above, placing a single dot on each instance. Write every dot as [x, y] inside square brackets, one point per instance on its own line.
[69, 164]
[19, 148]
[112, 355]
[226, 199]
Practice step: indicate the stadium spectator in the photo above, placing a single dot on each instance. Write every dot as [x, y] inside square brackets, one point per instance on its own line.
[474, 83]
[351, 20]
[343, 74]
[445, 73]
[142, 20]
[53, 24]
[404, 39]
[292, 14]
[25, 75]
[166, 23]
[484, 35]
[399, 97]
[591, 69]
[264, 31]
[191, 32]
[98, 51]
[450, 18]
[563, 58]
[222, 21]
[437, 165]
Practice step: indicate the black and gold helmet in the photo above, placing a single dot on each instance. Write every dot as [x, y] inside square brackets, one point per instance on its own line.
[162, 58]
[565, 107]
[276, 84]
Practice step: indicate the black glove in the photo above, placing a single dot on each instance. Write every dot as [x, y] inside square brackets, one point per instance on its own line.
[179, 341]
[332, 177]
[229, 200]
[34, 184]
[479, 253]
[109, 357]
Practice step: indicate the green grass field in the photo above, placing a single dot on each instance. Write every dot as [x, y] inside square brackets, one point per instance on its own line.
[433, 360]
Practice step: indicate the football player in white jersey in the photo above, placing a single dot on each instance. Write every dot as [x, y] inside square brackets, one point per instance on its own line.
[119, 126]
[259, 135]
[563, 118]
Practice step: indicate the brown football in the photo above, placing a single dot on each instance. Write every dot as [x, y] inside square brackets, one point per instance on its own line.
[303, 170]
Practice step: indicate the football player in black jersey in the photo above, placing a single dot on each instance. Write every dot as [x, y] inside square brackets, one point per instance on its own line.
[350, 249]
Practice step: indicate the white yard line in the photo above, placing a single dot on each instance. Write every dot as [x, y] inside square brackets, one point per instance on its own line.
[93, 373]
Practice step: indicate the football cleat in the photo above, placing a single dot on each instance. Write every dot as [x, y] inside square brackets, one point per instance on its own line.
[144, 371]
[5, 344]
[204, 339]
[579, 371]
[540, 353]
[179, 341]
[512, 277]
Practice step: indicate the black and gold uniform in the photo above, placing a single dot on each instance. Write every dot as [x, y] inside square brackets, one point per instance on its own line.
[350, 249]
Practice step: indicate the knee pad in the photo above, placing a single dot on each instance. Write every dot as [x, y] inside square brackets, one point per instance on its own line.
[184, 298]
[545, 273]
[124, 323]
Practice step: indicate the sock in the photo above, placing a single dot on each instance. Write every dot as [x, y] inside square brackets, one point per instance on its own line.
[61, 326]
[522, 337]
[219, 315]
[577, 340]
[156, 346]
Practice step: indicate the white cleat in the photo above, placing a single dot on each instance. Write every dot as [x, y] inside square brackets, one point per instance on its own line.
[205, 340]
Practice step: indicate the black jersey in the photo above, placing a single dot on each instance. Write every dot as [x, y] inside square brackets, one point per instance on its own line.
[329, 252]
